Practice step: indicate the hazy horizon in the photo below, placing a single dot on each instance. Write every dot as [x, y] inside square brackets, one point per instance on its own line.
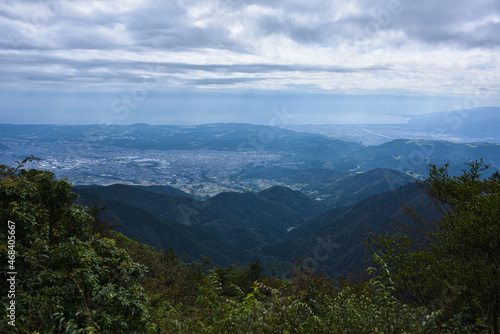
[283, 118]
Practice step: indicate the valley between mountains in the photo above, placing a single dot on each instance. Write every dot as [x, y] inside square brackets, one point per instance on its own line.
[276, 225]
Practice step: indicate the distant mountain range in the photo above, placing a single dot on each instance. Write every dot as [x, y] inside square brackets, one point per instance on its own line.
[465, 126]
[478, 122]
[221, 137]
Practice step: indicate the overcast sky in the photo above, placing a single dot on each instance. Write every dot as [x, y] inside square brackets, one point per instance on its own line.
[191, 62]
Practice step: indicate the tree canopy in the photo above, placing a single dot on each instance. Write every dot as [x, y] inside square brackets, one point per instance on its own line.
[451, 264]
[67, 279]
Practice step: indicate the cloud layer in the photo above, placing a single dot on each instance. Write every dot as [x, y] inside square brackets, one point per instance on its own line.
[409, 47]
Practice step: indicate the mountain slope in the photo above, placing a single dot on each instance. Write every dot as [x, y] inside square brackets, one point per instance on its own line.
[162, 205]
[256, 220]
[292, 176]
[240, 227]
[148, 228]
[247, 221]
[354, 188]
[333, 241]
[166, 190]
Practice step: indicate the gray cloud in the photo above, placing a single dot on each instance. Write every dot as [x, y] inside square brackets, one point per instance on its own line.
[234, 41]
[223, 81]
[303, 32]
[427, 21]
[187, 38]
[71, 72]
[168, 24]
[442, 22]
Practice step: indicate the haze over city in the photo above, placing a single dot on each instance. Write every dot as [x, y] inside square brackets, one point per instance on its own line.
[193, 62]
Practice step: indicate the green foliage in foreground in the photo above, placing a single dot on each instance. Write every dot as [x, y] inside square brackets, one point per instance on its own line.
[68, 280]
[367, 309]
[74, 276]
[451, 265]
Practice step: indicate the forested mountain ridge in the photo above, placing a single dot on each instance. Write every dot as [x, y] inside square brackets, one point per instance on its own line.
[167, 190]
[354, 188]
[240, 227]
[231, 225]
[338, 234]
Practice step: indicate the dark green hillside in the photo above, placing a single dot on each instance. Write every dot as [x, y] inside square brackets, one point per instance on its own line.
[236, 227]
[148, 228]
[343, 230]
[254, 220]
[233, 224]
[294, 199]
[355, 188]
[165, 206]
[292, 176]
[247, 221]
[166, 190]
